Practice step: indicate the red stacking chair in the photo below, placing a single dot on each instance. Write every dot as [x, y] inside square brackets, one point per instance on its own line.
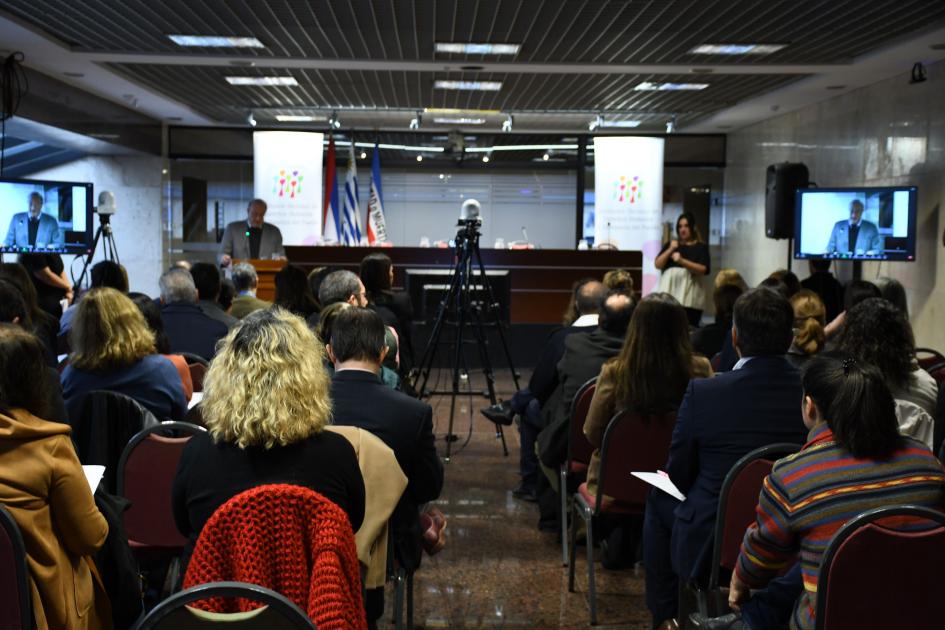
[16, 612]
[632, 442]
[927, 357]
[197, 372]
[579, 454]
[883, 570]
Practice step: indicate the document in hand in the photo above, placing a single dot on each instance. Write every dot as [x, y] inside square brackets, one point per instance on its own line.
[94, 475]
[662, 481]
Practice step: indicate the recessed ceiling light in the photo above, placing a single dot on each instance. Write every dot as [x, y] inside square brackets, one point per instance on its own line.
[484, 86]
[262, 81]
[477, 49]
[216, 41]
[545, 157]
[294, 118]
[459, 121]
[485, 158]
[655, 86]
[419, 158]
[736, 49]
[363, 155]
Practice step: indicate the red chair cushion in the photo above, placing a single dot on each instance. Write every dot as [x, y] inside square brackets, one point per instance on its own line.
[609, 505]
[578, 467]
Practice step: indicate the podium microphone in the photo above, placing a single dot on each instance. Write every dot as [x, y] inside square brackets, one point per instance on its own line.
[525, 234]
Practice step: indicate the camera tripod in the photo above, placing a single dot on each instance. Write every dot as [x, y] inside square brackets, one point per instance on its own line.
[109, 249]
[468, 295]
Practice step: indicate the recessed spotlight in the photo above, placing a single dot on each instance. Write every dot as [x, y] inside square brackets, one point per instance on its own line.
[419, 158]
[477, 49]
[546, 157]
[262, 81]
[363, 155]
[736, 49]
[485, 158]
[655, 86]
[478, 86]
[216, 41]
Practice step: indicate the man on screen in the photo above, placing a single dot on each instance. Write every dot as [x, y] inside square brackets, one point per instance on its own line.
[34, 229]
[855, 236]
[252, 238]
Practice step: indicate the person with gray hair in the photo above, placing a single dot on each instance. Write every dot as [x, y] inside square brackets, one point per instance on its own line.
[245, 281]
[188, 329]
[342, 286]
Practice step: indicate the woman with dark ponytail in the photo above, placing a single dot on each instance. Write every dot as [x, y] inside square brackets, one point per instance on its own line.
[855, 460]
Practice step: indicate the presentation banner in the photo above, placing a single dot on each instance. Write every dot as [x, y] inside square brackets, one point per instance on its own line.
[287, 175]
[628, 197]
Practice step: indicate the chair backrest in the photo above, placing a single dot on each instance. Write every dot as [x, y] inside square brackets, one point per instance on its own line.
[882, 569]
[937, 371]
[197, 372]
[737, 501]
[277, 613]
[192, 358]
[103, 423]
[579, 449]
[146, 473]
[927, 357]
[633, 441]
[16, 613]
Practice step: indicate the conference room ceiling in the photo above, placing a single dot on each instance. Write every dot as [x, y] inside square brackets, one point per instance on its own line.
[374, 63]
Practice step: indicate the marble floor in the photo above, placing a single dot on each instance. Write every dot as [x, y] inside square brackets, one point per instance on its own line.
[497, 569]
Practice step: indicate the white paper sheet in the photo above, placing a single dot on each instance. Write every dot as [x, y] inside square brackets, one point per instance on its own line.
[662, 481]
[196, 398]
[94, 475]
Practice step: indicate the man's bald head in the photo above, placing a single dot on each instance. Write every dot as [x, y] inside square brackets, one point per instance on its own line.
[589, 296]
[615, 313]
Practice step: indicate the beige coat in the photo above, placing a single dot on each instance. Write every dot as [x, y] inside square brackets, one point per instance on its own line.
[44, 489]
[384, 482]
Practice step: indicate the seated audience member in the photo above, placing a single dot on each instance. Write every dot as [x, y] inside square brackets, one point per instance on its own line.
[113, 349]
[855, 292]
[265, 405]
[188, 328]
[208, 283]
[293, 292]
[377, 274]
[649, 374]
[709, 339]
[825, 285]
[152, 315]
[245, 281]
[13, 311]
[730, 276]
[323, 331]
[720, 420]
[41, 323]
[810, 317]
[573, 312]
[227, 294]
[405, 424]
[315, 277]
[619, 280]
[789, 279]
[727, 356]
[104, 273]
[48, 274]
[893, 292]
[804, 501]
[878, 333]
[542, 384]
[43, 488]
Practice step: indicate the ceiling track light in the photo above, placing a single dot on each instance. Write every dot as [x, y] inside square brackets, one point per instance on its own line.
[597, 122]
[333, 122]
[507, 124]
[416, 121]
[671, 124]
[251, 120]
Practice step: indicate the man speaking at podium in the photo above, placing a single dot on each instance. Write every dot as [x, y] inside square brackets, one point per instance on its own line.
[252, 238]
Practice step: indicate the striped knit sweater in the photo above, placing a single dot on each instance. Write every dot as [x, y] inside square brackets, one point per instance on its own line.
[811, 494]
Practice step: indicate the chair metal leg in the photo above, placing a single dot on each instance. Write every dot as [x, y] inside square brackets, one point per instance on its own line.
[399, 599]
[563, 491]
[573, 547]
[410, 601]
[591, 587]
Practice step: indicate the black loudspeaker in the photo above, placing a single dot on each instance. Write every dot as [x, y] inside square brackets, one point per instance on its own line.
[781, 184]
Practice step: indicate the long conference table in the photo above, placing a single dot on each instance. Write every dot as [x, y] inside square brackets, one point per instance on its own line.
[540, 280]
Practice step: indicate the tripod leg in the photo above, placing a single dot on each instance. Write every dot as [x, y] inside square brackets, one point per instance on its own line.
[493, 311]
[480, 333]
[462, 300]
[88, 259]
[429, 354]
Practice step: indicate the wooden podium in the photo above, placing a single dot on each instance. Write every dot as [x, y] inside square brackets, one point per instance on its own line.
[266, 270]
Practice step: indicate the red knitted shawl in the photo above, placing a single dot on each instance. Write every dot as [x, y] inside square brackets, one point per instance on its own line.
[289, 539]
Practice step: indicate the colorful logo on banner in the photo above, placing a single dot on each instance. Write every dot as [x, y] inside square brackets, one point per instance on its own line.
[628, 190]
[287, 184]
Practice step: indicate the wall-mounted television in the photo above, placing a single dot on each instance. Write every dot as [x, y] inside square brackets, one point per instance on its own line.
[39, 216]
[856, 223]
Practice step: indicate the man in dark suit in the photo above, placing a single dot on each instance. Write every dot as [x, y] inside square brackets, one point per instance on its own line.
[405, 424]
[824, 284]
[208, 282]
[252, 238]
[720, 420]
[187, 327]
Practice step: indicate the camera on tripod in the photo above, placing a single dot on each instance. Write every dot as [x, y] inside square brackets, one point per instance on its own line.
[467, 227]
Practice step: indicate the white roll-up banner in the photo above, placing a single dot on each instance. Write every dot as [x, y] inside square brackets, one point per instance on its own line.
[287, 175]
[628, 197]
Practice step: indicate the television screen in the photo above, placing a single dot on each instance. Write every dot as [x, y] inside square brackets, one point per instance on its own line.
[45, 216]
[855, 223]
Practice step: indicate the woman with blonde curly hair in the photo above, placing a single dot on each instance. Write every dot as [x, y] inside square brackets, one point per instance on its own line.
[113, 349]
[810, 317]
[265, 405]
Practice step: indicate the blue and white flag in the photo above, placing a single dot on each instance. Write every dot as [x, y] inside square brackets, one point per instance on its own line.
[376, 225]
[350, 221]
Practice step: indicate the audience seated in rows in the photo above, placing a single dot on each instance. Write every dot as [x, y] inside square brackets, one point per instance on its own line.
[293, 292]
[266, 403]
[854, 461]
[619, 280]
[893, 292]
[43, 488]
[152, 315]
[405, 424]
[188, 328]
[113, 349]
[104, 273]
[810, 317]
[48, 275]
[877, 333]
[394, 307]
[323, 331]
[41, 323]
[825, 285]
[245, 281]
[720, 420]
[227, 295]
[789, 278]
[709, 339]
[853, 293]
[208, 283]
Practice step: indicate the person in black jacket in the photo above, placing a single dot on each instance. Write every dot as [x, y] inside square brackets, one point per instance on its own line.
[405, 424]
[187, 327]
[394, 307]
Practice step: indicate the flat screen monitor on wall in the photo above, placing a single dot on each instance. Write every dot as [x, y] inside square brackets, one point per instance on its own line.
[45, 216]
[856, 223]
